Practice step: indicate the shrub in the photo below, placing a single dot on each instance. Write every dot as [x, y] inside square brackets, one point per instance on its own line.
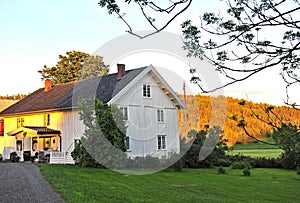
[298, 171]
[223, 163]
[174, 158]
[14, 157]
[145, 162]
[221, 170]
[246, 172]
[240, 165]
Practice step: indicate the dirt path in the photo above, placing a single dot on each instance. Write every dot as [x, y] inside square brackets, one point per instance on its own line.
[23, 182]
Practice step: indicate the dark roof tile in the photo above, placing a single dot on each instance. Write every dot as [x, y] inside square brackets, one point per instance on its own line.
[65, 96]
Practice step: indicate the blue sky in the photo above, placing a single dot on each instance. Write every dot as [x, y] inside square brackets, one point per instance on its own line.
[34, 32]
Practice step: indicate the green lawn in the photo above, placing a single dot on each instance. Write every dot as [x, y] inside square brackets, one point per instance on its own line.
[267, 153]
[257, 150]
[193, 185]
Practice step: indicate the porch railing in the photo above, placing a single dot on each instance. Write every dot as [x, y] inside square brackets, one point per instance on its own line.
[62, 157]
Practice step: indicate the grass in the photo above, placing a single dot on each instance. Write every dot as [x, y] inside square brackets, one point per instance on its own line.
[267, 153]
[193, 185]
[257, 150]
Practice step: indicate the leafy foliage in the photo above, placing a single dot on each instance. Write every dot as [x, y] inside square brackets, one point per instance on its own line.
[104, 135]
[240, 165]
[239, 37]
[288, 138]
[285, 134]
[75, 65]
[246, 172]
[191, 158]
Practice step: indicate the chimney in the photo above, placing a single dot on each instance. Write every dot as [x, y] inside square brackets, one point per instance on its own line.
[121, 71]
[48, 85]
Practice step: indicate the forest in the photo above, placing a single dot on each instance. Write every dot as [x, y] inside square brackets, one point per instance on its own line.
[199, 114]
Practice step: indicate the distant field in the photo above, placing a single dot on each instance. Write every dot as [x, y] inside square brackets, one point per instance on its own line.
[267, 153]
[77, 184]
[257, 150]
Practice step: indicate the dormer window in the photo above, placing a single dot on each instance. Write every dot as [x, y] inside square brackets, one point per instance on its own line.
[146, 91]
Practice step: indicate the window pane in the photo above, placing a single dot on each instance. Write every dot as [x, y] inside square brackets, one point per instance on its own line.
[126, 113]
[144, 90]
[164, 142]
[127, 142]
[148, 90]
[159, 142]
[158, 115]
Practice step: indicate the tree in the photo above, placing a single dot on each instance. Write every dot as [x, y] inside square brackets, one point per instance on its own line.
[148, 9]
[285, 134]
[75, 65]
[103, 142]
[236, 42]
[216, 157]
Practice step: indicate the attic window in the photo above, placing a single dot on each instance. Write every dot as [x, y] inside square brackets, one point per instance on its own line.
[124, 111]
[146, 90]
[46, 119]
[20, 122]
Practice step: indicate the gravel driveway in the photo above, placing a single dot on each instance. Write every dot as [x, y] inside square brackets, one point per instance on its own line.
[23, 182]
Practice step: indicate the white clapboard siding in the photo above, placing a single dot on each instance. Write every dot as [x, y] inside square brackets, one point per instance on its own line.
[143, 127]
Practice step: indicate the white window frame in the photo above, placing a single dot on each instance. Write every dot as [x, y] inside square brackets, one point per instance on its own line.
[146, 92]
[124, 111]
[160, 113]
[161, 142]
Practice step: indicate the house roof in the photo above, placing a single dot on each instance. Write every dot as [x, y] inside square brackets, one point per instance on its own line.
[34, 130]
[64, 96]
[105, 88]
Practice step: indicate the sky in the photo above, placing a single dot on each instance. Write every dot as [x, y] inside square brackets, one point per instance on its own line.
[34, 32]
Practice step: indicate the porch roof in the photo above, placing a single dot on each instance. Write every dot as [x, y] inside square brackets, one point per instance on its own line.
[35, 130]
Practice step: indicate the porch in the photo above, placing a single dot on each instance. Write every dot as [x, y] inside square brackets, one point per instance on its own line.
[42, 142]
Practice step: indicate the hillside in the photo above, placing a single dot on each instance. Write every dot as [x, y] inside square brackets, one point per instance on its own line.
[199, 114]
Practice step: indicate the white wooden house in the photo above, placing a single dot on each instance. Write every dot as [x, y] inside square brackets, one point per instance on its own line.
[48, 119]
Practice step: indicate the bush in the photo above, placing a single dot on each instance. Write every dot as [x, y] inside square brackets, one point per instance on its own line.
[174, 158]
[246, 172]
[240, 165]
[221, 170]
[147, 162]
[298, 171]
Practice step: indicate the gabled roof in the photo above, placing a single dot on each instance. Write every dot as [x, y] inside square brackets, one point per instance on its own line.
[61, 97]
[106, 88]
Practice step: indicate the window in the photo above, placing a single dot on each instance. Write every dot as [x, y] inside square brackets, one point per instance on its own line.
[161, 142]
[47, 120]
[77, 143]
[127, 143]
[160, 115]
[146, 90]
[124, 112]
[20, 122]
